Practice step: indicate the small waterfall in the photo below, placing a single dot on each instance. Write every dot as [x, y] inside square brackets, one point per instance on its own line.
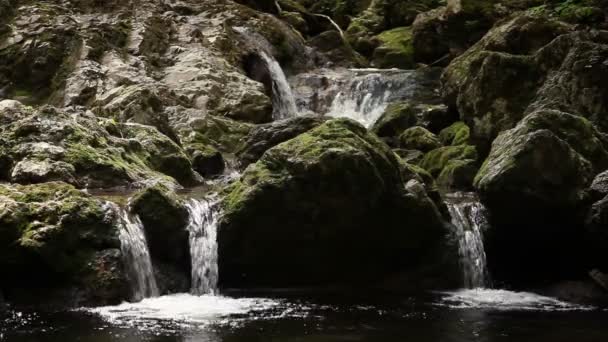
[469, 220]
[204, 218]
[364, 99]
[136, 256]
[283, 101]
[360, 94]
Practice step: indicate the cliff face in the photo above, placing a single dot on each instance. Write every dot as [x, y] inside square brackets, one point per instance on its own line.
[171, 94]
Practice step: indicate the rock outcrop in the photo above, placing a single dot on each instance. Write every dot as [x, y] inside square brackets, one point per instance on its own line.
[325, 207]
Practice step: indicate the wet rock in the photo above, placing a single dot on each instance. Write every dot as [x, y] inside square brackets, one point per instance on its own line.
[264, 137]
[304, 195]
[544, 165]
[55, 235]
[457, 134]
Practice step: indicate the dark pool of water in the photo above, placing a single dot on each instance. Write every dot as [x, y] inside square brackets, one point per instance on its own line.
[465, 316]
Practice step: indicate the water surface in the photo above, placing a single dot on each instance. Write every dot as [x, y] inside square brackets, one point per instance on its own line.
[468, 315]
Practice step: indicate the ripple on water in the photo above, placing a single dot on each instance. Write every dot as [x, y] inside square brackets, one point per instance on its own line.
[506, 300]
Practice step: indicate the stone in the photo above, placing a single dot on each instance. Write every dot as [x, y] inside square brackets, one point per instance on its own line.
[418, 138]
[165, 220]
[305, 195]
[264, 137]
[53, 234]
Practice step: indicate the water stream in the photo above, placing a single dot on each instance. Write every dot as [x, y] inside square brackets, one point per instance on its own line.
[360, 94]
[469, 221]
[283, 101]
[136, 256]
[203, 245]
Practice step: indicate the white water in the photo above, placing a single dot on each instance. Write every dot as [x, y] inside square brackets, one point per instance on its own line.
[469, 220]
[181, 308]
[136, 256]
[359, 94]
[364, 99]
[202, 227]
[283, 101]
[506, 300]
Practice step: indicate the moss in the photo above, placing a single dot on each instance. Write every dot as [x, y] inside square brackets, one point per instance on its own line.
[457, 134]
[396, 49]
[458, 174]
[436, 160]
[419, 138]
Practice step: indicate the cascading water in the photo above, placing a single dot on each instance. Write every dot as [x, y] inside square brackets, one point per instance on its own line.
[362, 94]
[283, 101]
[204, 218]
[136, 256]
[469, 221]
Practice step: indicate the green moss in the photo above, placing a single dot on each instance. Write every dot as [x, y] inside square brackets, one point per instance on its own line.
[396, 49]
[436, 160]
[457, 134]
[458, 174]
[419, 138]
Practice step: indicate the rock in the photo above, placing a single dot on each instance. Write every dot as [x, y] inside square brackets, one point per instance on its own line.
[418, 138]
[76, 147]
[207, 161]
[520, 66]
[382, 15]
[437, 160]
[561, 151]
[397, 117]
[444, 33]
[317, 194]
[165, 221]
[457, 134]
[395, 50]
[544, 165]
[599, 186]
[334, 48]
[264, 137]
[55, 235]
[458, 174]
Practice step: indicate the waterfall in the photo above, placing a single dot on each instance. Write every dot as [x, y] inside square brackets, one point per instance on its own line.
[359, 94]
[136, 256]
[202, 227]
[283, 101]
[469, 221]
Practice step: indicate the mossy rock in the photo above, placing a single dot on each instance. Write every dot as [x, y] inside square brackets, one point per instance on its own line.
[395, 50]
[436, 160]
[396, 118]
[53, 234]
[419, 138]
[165, 220]
[295, 217]
[457, 134]
[458, 174]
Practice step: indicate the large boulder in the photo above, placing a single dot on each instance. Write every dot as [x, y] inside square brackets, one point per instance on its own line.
[539, 171]
[324, 207]
[60, 246]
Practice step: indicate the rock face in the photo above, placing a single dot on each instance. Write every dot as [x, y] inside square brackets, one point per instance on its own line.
[530, 63]
[543, 167]
[325, 207]
[76, 147]
[55, 235]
